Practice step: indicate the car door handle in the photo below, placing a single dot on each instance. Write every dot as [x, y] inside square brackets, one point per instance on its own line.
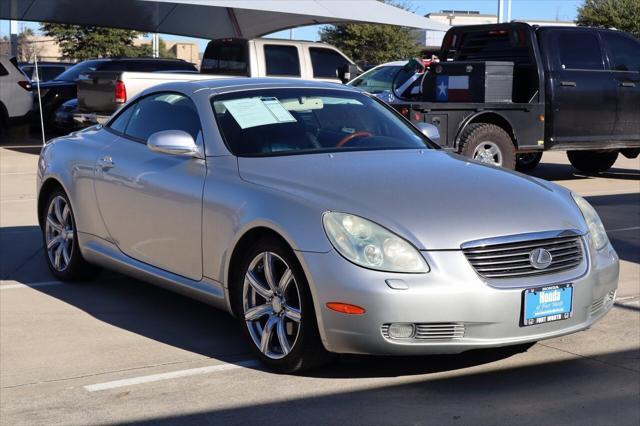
[627, 84]
[568, 83]
[106, 163]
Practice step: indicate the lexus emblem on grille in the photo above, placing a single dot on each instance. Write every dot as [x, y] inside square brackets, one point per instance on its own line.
[540, 258]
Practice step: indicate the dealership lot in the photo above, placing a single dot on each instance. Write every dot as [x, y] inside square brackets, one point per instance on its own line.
[118, 350]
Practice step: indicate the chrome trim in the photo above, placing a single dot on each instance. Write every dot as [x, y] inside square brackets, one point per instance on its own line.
[520, 238]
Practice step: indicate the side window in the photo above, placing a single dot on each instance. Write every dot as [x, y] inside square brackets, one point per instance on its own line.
[624, 52]
[326, 62]
[282, 60]
[3, 71]
[579, 50]
[163, 111]
[119, 124]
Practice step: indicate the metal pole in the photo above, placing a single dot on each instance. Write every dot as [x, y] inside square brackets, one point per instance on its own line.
[13, 31]
[500, 11]
[35, 60]
[508, 10]
[155, 45]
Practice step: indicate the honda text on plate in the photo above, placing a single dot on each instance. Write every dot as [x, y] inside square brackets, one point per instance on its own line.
[324, 221]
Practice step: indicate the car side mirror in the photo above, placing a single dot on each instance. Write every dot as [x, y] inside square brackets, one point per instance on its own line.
[430, 131]
[173, 142]
[348, 72]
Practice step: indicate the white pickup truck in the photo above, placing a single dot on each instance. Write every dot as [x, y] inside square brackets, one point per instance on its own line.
[101, 93]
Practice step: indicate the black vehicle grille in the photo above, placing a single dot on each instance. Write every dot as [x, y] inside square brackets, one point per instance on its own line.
[511, 260]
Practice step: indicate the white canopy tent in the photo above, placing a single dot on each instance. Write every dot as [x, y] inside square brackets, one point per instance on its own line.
[212, 18]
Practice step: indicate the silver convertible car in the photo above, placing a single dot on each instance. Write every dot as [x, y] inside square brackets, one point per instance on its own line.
[324, 221]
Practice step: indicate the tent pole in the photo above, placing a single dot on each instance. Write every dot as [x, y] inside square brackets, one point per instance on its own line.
[234, 22]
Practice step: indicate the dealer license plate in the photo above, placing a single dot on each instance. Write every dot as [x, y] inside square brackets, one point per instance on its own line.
[547, 304]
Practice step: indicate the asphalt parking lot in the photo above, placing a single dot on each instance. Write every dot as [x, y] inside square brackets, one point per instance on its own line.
[116, 350]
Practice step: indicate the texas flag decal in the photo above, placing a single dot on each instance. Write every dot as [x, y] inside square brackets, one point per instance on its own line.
[450, 88]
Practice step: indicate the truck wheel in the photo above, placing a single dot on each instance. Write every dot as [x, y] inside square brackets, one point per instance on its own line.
[488, 144]
[528, 161]
[592, 161]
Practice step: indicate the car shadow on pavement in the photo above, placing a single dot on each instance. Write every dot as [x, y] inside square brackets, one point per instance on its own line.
[173, 319]
[560, 172]
[578, 391]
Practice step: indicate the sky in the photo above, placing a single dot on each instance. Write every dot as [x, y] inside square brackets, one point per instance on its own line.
[564, 10]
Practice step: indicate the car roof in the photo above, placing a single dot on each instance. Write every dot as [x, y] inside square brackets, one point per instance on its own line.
[248, 83]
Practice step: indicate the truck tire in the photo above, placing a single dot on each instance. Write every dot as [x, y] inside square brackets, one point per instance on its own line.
[489, 144]
[527, 161]
[592, 161]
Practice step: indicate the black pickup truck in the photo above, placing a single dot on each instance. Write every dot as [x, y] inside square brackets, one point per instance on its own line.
[575, 89]
[63, 88]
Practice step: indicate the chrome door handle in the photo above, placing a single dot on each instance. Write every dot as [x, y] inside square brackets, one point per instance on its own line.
[106, 163]
[568, 83]
[627, 84]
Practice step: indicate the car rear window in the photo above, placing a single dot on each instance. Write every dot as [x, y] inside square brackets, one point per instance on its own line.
[297, 121]
[624, 52]
[326, 62]
[579, 50]
[282, 60]
[226, 58]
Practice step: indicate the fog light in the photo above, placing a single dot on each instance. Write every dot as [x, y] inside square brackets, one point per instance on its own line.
[401, 331]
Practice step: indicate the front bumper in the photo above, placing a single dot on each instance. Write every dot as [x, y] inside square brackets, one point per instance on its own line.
[451, 293]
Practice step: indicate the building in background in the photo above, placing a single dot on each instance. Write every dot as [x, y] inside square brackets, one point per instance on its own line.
[47, 49]
[430, 41]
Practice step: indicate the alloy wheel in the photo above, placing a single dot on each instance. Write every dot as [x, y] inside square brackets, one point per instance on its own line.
[271, 305]
[59, 233]
[488, 152]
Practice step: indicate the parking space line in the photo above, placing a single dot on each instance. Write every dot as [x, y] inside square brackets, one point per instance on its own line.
[631, 228]
[17, 173]
[17, 200]
[4, 286]
[170, 375]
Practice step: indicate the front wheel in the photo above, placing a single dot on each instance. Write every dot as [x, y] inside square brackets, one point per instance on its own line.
[60, 239]
[275, 307]
[489, 144]
[592, 161]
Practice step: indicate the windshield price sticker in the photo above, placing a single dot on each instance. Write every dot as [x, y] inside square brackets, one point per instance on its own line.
[254, 112]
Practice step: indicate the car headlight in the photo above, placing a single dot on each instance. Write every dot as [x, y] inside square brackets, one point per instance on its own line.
[596, 228]
[371, 246]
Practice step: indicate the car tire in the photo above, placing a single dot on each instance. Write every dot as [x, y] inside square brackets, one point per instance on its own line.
[592, 161]
[259, 307]
[489, 144]
[60, 240]
[528, 161]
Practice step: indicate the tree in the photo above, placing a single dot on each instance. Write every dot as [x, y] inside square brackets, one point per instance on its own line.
[622, 15]
[28, 48]
[147, 50]
[372, 44]
[84, 42]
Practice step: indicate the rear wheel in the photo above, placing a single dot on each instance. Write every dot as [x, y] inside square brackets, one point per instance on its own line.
[592, 161]
[528, 161]
[275, 307]
[60, 239]
[489, 144]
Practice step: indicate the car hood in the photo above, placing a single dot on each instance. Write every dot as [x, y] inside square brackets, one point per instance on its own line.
[434, 199]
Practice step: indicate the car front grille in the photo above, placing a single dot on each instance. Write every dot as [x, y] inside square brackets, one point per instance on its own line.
[512, 259]
[432, 331]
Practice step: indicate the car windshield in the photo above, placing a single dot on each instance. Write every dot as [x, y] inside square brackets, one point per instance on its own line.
[380, 79]
[298, 121]
[72, 73]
